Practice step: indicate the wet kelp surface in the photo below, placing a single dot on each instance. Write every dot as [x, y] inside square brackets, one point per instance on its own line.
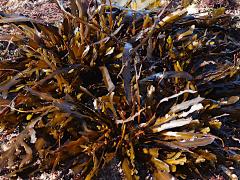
[148, 86]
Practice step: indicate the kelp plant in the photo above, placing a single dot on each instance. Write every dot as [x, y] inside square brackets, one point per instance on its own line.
[138, 83]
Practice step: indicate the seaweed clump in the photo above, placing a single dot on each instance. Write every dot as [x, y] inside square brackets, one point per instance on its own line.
[151, 87]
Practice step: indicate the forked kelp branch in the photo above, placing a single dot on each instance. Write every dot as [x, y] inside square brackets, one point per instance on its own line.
[136, 84]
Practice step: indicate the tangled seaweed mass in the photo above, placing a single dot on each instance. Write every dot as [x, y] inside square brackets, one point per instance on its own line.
[147, 84]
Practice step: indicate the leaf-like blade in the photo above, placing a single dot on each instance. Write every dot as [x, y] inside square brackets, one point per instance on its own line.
[126, 71]
[107, 79]
[196, 142]
[186, 104]
[172, 124]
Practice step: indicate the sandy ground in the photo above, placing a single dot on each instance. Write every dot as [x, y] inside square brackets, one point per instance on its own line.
[43, 10]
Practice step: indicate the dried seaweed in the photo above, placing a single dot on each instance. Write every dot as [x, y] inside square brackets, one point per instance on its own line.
[129, 82]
